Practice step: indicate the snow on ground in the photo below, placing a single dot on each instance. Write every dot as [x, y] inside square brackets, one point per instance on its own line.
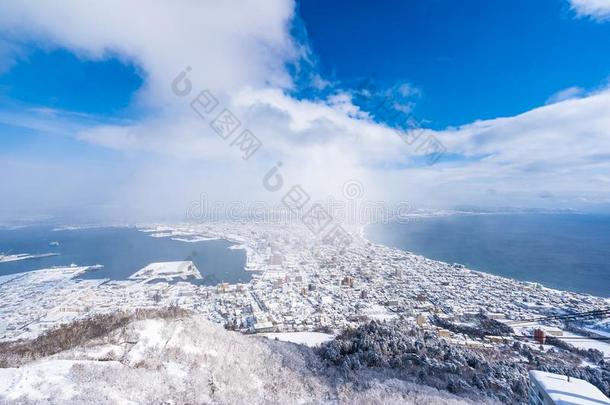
[310, 339]
[599, 331]
[150, 339]
[379, 313]
[195, 239]
[583, 343]
[189, 360]
[24, 256]
[38, 381]
[161, 235]
[575, 340]
[167, 270]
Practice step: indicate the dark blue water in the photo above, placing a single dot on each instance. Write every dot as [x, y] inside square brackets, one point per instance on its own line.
[564, 251]
[122, 252]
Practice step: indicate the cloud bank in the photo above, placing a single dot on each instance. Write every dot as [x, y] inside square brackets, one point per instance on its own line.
[240, 52]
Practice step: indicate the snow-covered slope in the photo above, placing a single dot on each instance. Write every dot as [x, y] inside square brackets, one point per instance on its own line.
[188, 360]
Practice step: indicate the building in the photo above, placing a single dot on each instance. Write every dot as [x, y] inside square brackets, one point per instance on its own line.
[496, 339]
[540, 336]
[555, 389]
[421, 319]
[444, 333]
[167, 271]
[552, 331]
[263, 326]
[347, 282]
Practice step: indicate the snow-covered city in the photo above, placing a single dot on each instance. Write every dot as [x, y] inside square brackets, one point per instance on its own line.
[299, 283]
[392, 202]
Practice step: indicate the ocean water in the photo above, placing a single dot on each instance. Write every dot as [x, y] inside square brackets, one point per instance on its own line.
[563, 251]
[122, 252]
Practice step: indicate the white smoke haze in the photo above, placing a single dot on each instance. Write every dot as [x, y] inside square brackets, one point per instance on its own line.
[555, 156]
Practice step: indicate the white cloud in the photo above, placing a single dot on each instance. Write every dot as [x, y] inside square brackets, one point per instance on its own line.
[566, 94]
[561, 148]
[408, 90]
[239, 50]
[231, 44]
[596, 9]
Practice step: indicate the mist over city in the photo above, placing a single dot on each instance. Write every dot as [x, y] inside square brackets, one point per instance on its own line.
[299, 201]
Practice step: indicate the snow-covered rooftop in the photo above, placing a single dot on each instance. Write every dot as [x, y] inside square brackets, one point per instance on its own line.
[167, 270]
[572, 392]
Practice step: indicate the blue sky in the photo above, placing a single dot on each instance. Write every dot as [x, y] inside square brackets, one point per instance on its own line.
[477, 59]
[512, 89]
[471, 60]
[59, 79]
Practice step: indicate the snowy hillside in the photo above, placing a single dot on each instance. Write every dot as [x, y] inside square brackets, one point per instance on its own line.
[188, 360]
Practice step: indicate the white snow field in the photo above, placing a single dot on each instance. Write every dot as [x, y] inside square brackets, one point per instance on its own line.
[310, 339]
[189, 360]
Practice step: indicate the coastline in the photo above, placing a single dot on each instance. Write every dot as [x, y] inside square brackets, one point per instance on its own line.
[514, 265]
[524, 283]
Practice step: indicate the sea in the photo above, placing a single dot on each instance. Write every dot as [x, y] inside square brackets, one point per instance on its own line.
[562, 251]
[121, 251]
